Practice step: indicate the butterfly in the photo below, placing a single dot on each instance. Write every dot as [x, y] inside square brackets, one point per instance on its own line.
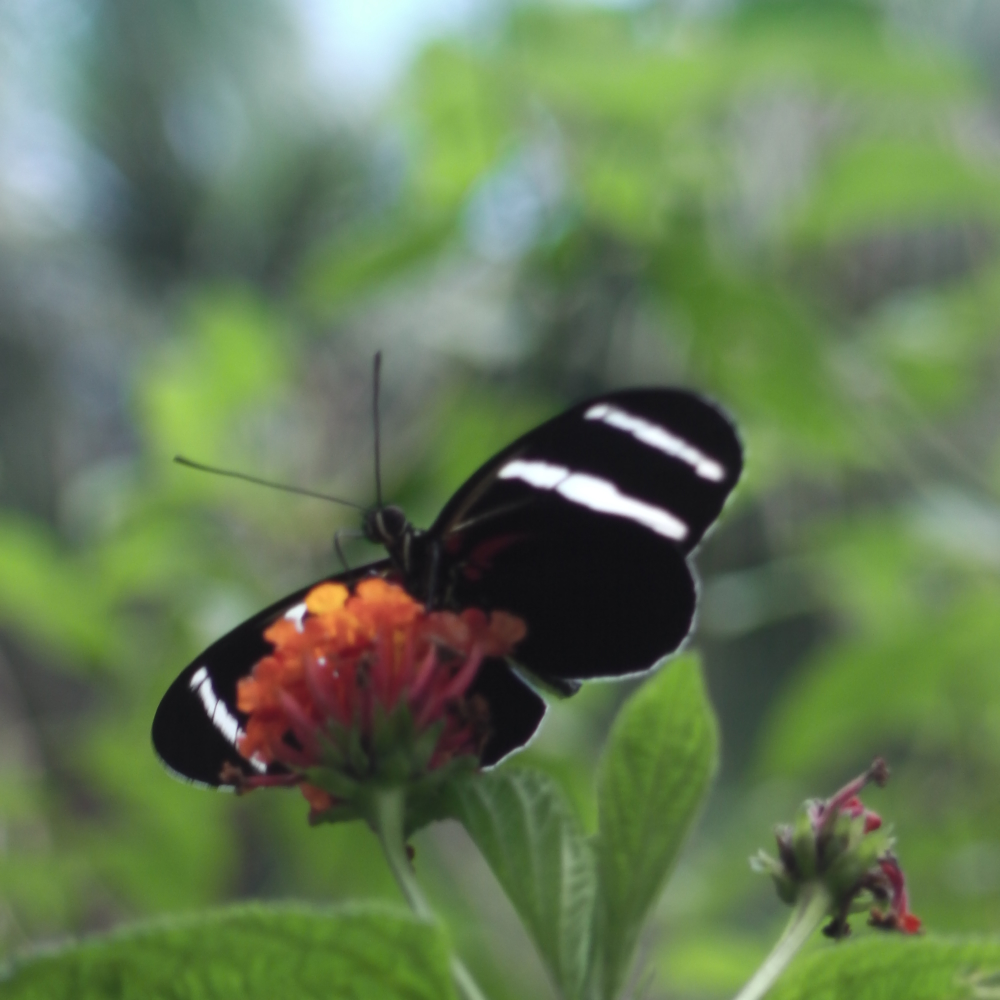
[581, 528]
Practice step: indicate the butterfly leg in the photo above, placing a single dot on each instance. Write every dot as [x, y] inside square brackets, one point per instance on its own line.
[343, 533]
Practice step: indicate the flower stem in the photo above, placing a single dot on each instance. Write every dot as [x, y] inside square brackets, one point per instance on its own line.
[387, 818]
[810, 911]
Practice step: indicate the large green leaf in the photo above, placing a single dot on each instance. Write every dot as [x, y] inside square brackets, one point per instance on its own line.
[531, 840]
[657, 766]
[890, 968]
[248, 953]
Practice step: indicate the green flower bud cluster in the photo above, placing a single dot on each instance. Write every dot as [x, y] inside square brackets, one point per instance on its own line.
[842, 846]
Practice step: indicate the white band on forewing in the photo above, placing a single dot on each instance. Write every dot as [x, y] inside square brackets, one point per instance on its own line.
[218, 712]
[221, 717]
[659, 438]
[596, 494]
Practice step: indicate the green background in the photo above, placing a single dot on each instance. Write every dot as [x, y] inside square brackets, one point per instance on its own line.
[790, 206]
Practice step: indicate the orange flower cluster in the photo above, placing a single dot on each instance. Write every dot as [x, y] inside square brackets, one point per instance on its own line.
[343, 660]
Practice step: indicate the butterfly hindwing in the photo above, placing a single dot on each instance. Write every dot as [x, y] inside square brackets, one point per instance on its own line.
[197, 723]
[599, 600]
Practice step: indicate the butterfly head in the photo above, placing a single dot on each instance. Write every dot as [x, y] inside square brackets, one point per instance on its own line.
[386, 526]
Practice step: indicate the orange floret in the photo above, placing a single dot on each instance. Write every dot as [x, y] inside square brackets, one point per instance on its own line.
[326, 598]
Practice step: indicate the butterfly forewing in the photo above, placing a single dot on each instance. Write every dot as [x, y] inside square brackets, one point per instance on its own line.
[663, 458]
[197, 724]
[581, 527]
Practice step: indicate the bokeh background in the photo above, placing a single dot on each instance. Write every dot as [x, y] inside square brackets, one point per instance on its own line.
[212, 214]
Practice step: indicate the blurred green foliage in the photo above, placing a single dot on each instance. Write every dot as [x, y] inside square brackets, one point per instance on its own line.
[789, 205]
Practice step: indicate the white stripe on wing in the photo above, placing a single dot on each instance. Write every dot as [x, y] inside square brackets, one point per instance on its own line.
[659, 438]
[217, 711]
[596, 494]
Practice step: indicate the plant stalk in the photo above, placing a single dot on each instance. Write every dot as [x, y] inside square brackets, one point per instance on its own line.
[810, 911]
[387, 818]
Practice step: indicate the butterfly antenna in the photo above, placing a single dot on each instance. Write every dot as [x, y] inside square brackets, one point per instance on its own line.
[378, 433]
[181, 460]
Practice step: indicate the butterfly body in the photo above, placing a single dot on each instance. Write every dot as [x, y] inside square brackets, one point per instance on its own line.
[581, 528]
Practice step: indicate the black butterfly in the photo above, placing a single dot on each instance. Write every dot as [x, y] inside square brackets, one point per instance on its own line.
[581, 527]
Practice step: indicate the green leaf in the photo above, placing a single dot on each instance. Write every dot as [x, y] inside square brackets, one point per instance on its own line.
[533, 843]
[656, 768]
[248, 953]
[884, 968]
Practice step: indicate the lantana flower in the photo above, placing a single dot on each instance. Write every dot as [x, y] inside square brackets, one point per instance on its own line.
[370, 689]
[840, 845]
